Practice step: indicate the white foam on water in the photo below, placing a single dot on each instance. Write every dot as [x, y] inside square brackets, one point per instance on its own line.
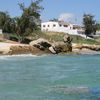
[5, 57]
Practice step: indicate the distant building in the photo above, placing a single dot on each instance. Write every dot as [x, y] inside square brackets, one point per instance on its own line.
[98, 32]
[0, 31]
[61, 26]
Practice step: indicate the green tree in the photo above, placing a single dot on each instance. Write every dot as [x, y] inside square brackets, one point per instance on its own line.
[30, 19]
[98, 26]
[7, 23]
[24, 25]
[89, 24]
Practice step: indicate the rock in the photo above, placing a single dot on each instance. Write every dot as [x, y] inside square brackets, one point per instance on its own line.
[51, 49]
[67, 39]
[19, 50]
[25, 50]
[61, 47]
[86, 48]
[65, 46]
[41, 43]
[54, 48]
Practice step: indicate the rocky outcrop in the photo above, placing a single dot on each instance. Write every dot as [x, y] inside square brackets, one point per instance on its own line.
[86, 49]
[25, 50]
[67, 39]
[54, 48]
[60, 47]
[64, 46]
[85, 46]
[19, 50]
[41, 44]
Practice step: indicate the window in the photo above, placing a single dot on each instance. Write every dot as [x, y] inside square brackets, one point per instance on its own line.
[48, 25]
[74, 28]
[60, 25]
[65, 25]
[43, 25]
[54, 25]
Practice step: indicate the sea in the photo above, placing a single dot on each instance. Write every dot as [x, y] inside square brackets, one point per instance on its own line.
[50, 77]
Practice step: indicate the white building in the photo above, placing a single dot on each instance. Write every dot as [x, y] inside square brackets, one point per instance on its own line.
[59, 26]
[0, 31]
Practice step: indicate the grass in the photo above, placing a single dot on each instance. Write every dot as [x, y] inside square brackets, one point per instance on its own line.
[49, 36]
[81, 40]
[76, 39]
[55, 36]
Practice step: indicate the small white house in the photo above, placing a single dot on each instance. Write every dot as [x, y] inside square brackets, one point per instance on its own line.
[59, 26]
[0, 31]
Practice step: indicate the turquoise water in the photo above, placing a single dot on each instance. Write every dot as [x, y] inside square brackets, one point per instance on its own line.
[52, 77]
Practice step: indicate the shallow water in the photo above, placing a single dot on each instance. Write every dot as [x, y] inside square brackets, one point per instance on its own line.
[52, 77]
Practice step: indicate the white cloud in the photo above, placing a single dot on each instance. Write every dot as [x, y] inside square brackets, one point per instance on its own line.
[66, 16]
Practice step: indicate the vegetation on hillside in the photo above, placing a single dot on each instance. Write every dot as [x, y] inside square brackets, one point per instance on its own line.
[55, 37]
[27, 26]
[81, 40]
[24, 25]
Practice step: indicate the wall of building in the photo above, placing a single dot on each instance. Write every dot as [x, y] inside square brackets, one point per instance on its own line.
[97, 32]
[0, 31]
[56, 27]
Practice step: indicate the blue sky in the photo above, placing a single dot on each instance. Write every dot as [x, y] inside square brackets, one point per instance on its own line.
[69, 10]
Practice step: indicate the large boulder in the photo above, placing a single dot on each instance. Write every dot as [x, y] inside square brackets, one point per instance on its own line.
[60, 47]
[54, 48]
[67, 39]
[65, 46]
[41, 43]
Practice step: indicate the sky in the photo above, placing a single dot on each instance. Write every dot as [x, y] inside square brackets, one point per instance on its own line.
[68, 10]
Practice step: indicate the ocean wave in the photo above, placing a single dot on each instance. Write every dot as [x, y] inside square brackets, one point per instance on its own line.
[20, 55]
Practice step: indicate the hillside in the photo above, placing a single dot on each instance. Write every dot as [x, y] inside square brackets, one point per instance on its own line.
[55, 36]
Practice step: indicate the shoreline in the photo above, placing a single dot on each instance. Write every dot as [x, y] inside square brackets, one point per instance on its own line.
[7, 49]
